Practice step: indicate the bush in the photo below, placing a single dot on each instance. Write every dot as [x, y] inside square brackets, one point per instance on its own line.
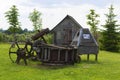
[48, 38]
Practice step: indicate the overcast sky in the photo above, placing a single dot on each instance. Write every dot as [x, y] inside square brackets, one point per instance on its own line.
[53, 11]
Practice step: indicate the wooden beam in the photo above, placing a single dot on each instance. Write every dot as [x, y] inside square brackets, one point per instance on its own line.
[96, 57]
[88, 57]
[73, 55]
[59, 55]
[48, 54]
[42, 54]
[45, 57]
[66, 56]
[43, 39]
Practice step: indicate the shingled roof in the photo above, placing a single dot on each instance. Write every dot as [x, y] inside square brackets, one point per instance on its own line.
[85, 42]
[84, 37]
[68, 17]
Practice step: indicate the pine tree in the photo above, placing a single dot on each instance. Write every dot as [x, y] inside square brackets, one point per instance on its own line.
[110, 36]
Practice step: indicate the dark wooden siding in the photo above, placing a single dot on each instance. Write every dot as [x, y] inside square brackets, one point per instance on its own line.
[64, 32]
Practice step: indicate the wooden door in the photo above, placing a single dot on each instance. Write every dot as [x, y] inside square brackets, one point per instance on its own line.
[67, 36]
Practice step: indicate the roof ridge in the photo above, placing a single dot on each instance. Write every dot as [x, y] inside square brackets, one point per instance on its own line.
[65, 18]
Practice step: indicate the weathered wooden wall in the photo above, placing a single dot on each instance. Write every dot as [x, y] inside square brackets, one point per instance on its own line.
[64, 32]
[52, 54]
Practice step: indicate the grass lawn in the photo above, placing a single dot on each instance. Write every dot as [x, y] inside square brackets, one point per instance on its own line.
[107, 68]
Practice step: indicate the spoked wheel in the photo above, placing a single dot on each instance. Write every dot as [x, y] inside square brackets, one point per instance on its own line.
[21, 53]
[10, 56]
[13, 51]
[16, 53]
[29, 50]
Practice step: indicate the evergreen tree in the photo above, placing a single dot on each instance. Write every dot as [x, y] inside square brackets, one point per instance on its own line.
[35, 17]
[12, 17]
[110, 36]
[93, 22]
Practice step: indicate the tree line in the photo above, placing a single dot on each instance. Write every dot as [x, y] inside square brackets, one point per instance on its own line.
[15, 31]
[108, 38]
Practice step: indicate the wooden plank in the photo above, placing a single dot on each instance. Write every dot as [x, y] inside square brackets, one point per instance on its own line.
[66, 56]
[96, 57]
[53, 46]
[88, 57]
[42, 53]
[59, 55]
[48, 54]
[40, 34]
[73, 55]
[45, 57]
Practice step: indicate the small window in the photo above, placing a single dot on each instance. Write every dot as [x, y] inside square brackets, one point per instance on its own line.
[86, 36]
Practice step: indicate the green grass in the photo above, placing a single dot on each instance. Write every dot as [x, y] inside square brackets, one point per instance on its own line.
[107, 68]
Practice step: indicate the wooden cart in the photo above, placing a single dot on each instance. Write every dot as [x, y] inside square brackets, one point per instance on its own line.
[56, 55]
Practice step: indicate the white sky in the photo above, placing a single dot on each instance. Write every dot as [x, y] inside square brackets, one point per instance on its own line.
[53, 11]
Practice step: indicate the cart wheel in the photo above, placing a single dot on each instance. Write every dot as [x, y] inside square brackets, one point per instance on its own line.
[12, 57]
[21, 54]
[29, 49]
[13, 52]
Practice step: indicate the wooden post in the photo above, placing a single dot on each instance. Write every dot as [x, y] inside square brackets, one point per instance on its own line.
[48, 54]
[42, 54]
[66, 56]
[88, 57]
[96, 57]
[59, 55]
[73, 55]
[45, 57]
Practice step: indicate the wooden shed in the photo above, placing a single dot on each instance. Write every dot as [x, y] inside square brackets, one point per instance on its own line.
[85, 42]
[64, 32]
